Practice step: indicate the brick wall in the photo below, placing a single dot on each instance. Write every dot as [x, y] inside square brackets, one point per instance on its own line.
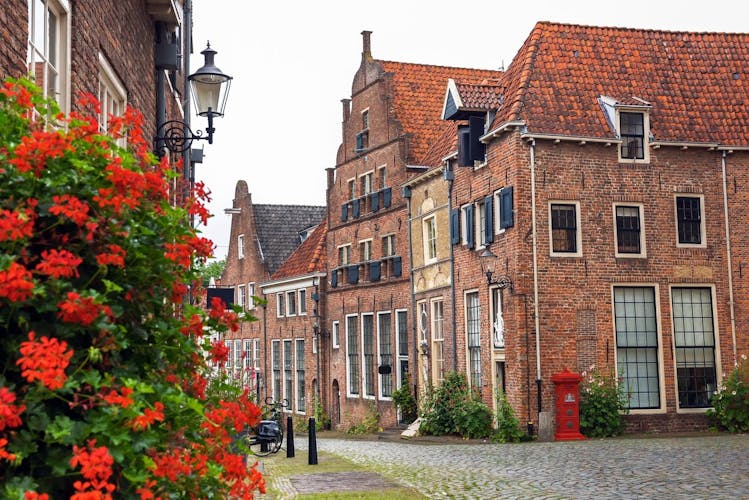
[13, 38]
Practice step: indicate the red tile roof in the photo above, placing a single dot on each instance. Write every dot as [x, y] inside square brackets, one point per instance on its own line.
[418, 93]
[480, 96]
[308, 258]
[697, 83]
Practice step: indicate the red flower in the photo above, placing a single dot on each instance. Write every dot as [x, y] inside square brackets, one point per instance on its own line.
[96, 468]
[122, 399]
[149, 416]
[115, 257]
[81, 310]
[33, 495]
[59, 264]
[3, 452]
[15, 283]
[219, 352]
[45, 360]
[194, 326]
[71, 207]
[10, 414]
[17, 224]
[35, 149]
[17, 93]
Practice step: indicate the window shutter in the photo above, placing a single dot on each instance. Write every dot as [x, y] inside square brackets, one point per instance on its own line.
[344, 211]
[488, 220]
[386, 197]
[374, 270]
[396, 266]
[477, 148]
[507, 216]
[464, 146]
[334, 278]
[374, 201]
[355, 208]
[470, 226]
[359, 141]
[455, 226]
[353, 274]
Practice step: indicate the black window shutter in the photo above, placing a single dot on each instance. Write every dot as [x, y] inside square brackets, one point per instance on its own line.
[464, 146]
[334, 278]
[344, 211]
[396, 266]
[477, 148]
[505, 208]
[488, 220]
[470, 226]
[353, 274]
[387, 197]
[455, 226]
[374, 270]
[355, 208]
[374, 201]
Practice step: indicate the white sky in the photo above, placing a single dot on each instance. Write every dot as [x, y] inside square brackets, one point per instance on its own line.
[293, 61]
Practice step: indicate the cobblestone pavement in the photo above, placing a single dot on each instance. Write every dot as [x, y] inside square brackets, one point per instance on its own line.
[663, 467]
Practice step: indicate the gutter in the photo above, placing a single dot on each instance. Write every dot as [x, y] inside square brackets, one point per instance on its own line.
[535, 271]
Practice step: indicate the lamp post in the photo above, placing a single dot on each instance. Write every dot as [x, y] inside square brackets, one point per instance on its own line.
[488, 267]
[210, 88]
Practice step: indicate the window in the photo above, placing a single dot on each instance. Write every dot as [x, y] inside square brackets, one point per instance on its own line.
[384, 339]
[630, 238]
[365, 183]
[291, 303]
[240, 246]
[352, 351]
[256, 354]
[300, 388]
[497, 319]
[637, 345]
[344, 255]
[382, 174]
[632, 133]
[302, 301]
[230, 346]
[112, 95]
[288, 362]
[237, 356]
[365, 250]
[250, 295]
[336, 335]
[276, 366]
[388, 245]
[401, 331]
[367, 326]
[503, 213]
[430, 239]
[474, 340]
[467, 229]
[247, 362]
[280, 305]
[481, 214]
[351, 189]
[690, 226]
[438, 337]
[241, 297]
[314, 344]
[365, 119]
[48, 49]
[694, 346]
[565, 229]
[423, 321]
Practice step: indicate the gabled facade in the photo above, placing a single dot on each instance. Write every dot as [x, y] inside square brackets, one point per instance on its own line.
[621, 153]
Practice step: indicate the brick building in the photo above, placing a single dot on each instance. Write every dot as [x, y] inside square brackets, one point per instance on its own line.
[606, 179]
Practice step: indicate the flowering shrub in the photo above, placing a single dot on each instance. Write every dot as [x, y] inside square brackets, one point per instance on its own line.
[603, 400]
[730, 409]
[452, 408]
[103, 380]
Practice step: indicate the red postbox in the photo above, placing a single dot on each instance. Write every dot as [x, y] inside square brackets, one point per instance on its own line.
[567, 398]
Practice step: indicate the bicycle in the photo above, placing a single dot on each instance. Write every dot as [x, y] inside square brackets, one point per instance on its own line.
[268, 436]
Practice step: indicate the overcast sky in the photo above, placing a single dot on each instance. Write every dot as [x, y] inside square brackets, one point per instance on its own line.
[293, 61]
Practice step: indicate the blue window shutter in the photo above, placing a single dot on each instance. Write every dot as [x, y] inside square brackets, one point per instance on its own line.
[344, 211]
[455, 226]
[488, 220]
[397, 266]
[374, 201]
[471, 227]
[334, 278]
[477, 148]
[374, 270]
[353, 274]
[464, 146]
[505, 207]
[386, 197]
[355, 208]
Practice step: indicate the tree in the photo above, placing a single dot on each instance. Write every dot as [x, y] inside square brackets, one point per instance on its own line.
[213, 269]
[104, 370]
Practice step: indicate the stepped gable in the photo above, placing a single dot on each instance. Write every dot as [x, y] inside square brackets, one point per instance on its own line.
[279, 227]
[309, 257]
[697, 83]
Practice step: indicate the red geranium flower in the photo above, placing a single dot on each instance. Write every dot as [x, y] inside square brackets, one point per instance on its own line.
[45, 360]
[59, 264]
[15, 283]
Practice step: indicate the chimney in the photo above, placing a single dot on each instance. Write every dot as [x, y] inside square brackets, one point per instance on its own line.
[346, 105]
[366, 47]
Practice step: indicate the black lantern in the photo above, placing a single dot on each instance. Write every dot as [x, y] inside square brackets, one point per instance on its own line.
[489, 268]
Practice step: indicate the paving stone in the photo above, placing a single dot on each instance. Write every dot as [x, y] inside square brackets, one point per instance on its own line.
[340, 481]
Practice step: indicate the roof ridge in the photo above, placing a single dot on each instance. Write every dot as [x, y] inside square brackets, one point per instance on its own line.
[642, 30]
[441, 66]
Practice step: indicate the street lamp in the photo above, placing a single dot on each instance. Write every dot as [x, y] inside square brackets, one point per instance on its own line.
[488, 267]
[210, 88]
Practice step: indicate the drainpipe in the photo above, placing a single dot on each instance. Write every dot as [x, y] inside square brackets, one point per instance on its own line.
[160, 96]
[415, 343]
[535, 271]
[450, 176]
[728, 251]
[187, 164]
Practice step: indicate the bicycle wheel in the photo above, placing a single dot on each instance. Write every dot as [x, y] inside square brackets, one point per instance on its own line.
[261, 447]
[277, 443]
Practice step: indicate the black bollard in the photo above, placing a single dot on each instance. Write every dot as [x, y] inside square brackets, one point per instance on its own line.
[289, 438]
[312, 457]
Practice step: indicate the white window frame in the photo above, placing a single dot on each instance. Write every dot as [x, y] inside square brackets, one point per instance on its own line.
[365, 119]
[466, 293]
[256, 354]
[497, 215]
[250, 293]
[350, 394]
[314, 344]
[496, 306]
[240, 246]
[237, 365]
[382, 176]
[288, 397]
[645, 132]
[296, 377]
[399, 356]
[364, 359]
[366, 182]
[422, 322]
[380, 354]
[351, 187]
[61, 9]
[388, 245]
[280, 305]
[246, 362]
[464, 225]
[301, 303]
[112, 95]
[703, 226]
[241, 296]
[578, 236]
[291, 306]
[641, 217]
[365, 250]
[346, 253]
[276, 386]
[479, 224]
[437, 338]
[336, 334]
[430, 238]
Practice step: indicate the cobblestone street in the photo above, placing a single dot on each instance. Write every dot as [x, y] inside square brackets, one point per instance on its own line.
[662, 467]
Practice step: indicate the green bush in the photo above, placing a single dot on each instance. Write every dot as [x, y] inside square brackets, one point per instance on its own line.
[603, 400]
[369, 424]
[452, 409]
[508, 425]
[473, 419]
[730, 409]
[405, 401]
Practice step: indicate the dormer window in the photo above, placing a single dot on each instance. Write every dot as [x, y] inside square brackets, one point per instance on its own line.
[632, 132]
[629, 119]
